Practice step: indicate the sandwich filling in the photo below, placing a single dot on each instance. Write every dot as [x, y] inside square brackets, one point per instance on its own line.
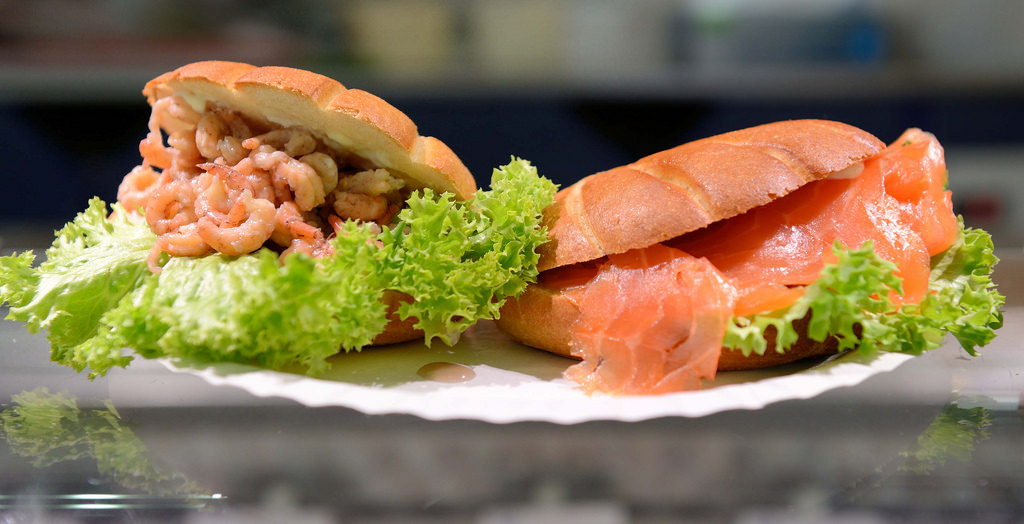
[229, 183]
[654, 320]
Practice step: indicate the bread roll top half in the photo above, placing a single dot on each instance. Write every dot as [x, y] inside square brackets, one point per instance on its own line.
[688, 187]
[345, 119]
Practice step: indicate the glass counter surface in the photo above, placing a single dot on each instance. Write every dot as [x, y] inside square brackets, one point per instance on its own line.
[939, 439]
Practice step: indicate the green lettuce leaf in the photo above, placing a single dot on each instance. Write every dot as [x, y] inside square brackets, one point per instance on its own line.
[253, 309]
[965, 299]
[461, 260]
[851, 302]
[95, 295]
[93, 263]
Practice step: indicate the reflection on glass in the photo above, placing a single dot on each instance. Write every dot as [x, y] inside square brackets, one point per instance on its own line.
[48, 428]
[952, 435]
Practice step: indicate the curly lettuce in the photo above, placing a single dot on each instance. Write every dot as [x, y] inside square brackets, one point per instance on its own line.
[94, 262]
[461, 260]
[851, 303]
[458, 260]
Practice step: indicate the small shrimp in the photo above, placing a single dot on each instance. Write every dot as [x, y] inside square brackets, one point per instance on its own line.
[373, 182]
[184, 148]
[302, 180]
[176, 114]
[289, 224]
[153, 151]
[282, 193]
[237, 126]
[242, 177]
[185, 242]
[262, 185]
[210, 129]
[231, 150]
[294, 142]
[237, 213]
[136, 188]
[319, 249]
[245, 166]
[170, 207]
[357, 206]
[214, 198]
[337, 223]
[184, 155]
[325, 167]
[257, 224]
[171, 115]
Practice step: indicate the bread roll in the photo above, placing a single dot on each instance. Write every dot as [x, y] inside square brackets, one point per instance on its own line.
[346, 119]
[672, 193]
[397, 330]
[693, 185]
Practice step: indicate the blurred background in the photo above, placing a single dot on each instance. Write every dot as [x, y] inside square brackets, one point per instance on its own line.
[575, 86]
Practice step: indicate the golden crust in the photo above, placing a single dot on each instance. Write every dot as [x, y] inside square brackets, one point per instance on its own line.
[349, 119]
[685, 188]
[542, 318]
[397, 330]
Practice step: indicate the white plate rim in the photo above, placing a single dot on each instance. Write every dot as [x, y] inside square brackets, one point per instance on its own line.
[556, 401]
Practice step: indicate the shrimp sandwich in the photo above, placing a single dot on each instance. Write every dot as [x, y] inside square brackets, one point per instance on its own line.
[277, 217]
[755, 248]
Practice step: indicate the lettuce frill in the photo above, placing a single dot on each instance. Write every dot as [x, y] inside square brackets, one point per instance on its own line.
[459, 260]
[851, 303]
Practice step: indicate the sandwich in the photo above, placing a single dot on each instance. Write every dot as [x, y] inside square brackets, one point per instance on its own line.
[277, 217]
[755, 248]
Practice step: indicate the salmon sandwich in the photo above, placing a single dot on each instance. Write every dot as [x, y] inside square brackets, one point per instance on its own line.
[756, 248]
[277, 217]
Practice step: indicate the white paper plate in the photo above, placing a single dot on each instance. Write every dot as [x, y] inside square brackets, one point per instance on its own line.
[513, 383]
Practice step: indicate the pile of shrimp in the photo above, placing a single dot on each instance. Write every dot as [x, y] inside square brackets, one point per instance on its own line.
[226, 183]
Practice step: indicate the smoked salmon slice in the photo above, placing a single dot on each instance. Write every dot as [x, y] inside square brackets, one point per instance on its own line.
[915, 175]
[898, 202]
[651, 321]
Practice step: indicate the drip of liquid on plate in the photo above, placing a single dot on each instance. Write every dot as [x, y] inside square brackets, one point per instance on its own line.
[448, 372]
